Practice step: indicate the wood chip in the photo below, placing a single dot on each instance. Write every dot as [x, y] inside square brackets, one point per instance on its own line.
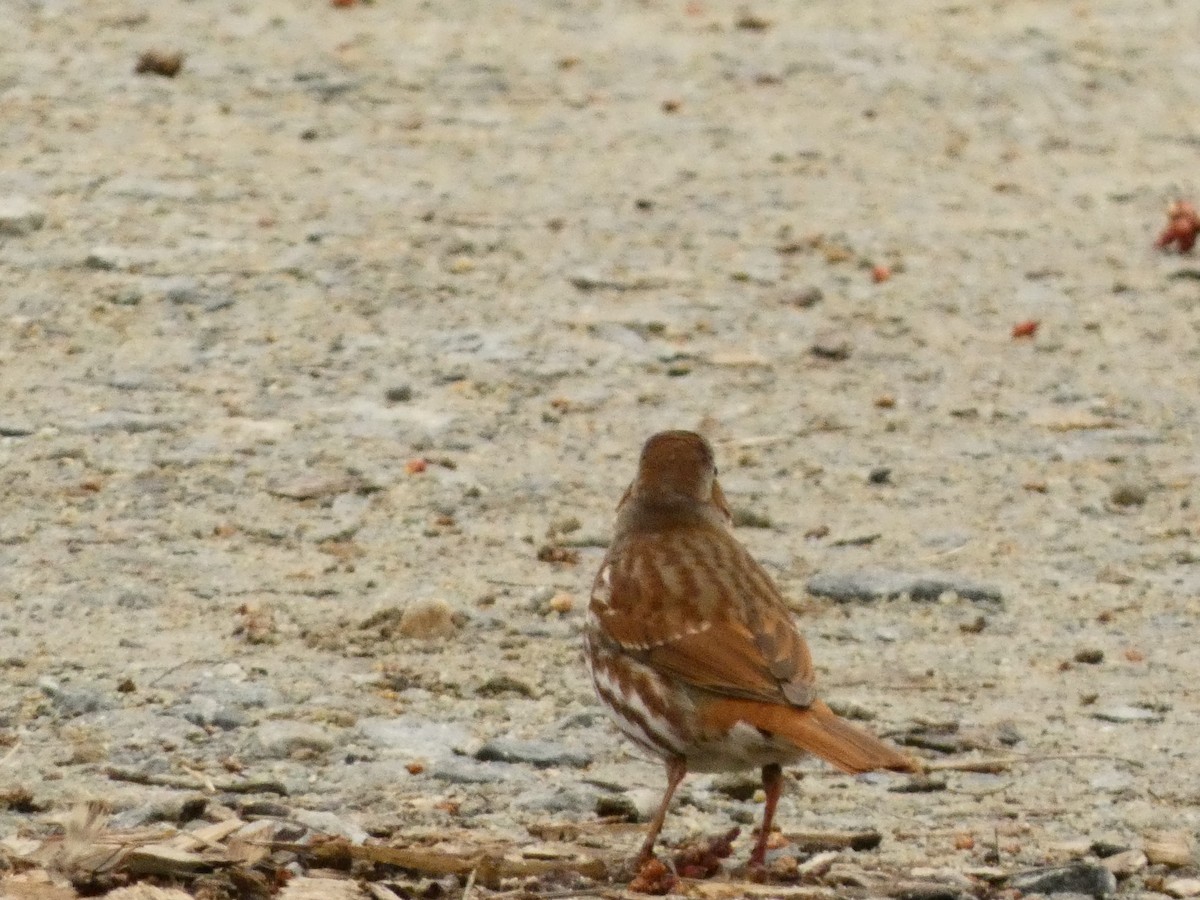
[814, 841]
[490, 866]
[321, 889]
[34, 885]
[164, 860]
[147, 892]
[726, 890]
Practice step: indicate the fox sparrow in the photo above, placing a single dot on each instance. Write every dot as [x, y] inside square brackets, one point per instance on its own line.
[692, 649]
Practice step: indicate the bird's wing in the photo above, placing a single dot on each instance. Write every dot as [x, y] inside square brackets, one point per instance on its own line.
[697, 607]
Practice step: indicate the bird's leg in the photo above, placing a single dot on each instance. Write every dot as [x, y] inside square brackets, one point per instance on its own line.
[772, 778]
[676, 769]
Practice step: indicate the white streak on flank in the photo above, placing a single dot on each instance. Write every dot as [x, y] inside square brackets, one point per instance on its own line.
[660, 731]
[602, 592]
[698, 628]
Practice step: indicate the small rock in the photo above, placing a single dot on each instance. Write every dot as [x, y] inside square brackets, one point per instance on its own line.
[19, 216]
[880, 475]
[619, 807]
[128, 296]
[173, 809]
[428, 619]
[1170, 848]
[1105, 847]
[807, 298]
[457, 770]
[107, 259]
[206, 711]
[920, 784]
[1078, 878]
[880, 584]
[181, 289]
[1090, 656]
[1182, 887]
[540, 754]
[832, 347]
[561, 603]
[818, 864]
[399, 394]
[328, 823]
[1125, 864]
[411, 737]
[315, 486]
[166, 63]
[1129, 494]
[279, 740]
[74, 701]
[927, 890]
[499, 685]
[15, 429]
[560, 798]
[1124, 714]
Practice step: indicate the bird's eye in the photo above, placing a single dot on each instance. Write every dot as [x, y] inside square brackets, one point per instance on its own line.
[716, 472]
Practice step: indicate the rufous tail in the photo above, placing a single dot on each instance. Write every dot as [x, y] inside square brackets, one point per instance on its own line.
[816, 729]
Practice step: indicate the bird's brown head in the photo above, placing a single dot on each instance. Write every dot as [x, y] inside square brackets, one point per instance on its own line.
[677, 469]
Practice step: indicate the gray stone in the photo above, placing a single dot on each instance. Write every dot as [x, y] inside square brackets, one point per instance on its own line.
[461, 770]
[328, 823]
[413, 738]
[541, 754]
[877, 584]
[1089, 879]
[205, 711]
[108, 259]
[181, 289]
[76, 700]
[19, 216]
[561, 798]
[279, 740]
[1123, 714]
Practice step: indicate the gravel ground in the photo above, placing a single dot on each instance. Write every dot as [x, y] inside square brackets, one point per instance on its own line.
[324, 362]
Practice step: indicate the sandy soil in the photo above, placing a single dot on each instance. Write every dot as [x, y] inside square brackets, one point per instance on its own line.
[242, 308]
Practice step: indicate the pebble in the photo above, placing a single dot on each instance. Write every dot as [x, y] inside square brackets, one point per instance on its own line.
[107, 259]
[1129, 494]
[76, 700]
[279, 740]
[460, 770]
[429, 619]
[1125, 863]
[1124, 714]
[876, 584]
[411, 737]
[327, 823]
[560, 798]
[1090, 879]
[172, 809]
[619, 807]
[13, 428]
[1182, 887]
[19, 216]
[561, 603]
[1170, 848]
[206, 711]
[181, 289]
[540, 754]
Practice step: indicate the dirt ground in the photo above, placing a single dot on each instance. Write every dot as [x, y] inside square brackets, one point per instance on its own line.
[324, 362]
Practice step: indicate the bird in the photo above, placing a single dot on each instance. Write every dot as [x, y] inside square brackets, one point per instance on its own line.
[692, 649]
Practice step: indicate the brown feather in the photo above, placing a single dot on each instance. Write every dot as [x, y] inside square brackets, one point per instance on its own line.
[686, 598]
[817, 730]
